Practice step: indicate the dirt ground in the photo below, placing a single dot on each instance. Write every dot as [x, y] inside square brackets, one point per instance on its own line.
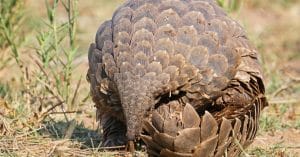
[273, 26]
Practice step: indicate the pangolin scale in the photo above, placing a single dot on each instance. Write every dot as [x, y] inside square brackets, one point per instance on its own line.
[180, 74]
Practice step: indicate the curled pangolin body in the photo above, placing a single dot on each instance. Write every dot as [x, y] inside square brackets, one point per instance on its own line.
[177, 69]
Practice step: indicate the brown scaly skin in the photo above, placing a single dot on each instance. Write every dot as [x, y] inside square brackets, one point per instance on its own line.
[158, 60]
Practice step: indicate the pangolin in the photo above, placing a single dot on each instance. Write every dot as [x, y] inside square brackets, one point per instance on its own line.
[180, 74]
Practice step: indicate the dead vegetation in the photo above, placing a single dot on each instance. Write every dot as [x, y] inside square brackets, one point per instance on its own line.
[45, 109]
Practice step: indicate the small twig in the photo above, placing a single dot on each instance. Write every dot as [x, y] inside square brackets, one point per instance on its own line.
[109, 148]
[290, 147]
[49, 88]
[45, 114]
[52, 150]
[278, 114]
[284, 101]
[76, 91]
[85, 99]
[55, 130]
[92, 142]
[28, 133]
[281, 89]
[98, 148]
[239, 145]
[29, 151]
[41, 67]
[57, 96]
[70, 129]
[5, 125]
[66, 112]
[294, 78]
[52, 108]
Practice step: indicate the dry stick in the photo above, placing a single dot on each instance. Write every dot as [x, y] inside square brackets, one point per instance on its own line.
[52, 150]
[281, 89]
[66, 112]
[45, 114]
[76, 91]
[5, 125]
[27, 85]
[284, 101]
[28, 151]
[57, 96]
[239, 144]
[28, 133]
[98, 147]
[41, 67]
[84, 99]
[284, 87]
[72, 124]
[294, 78]
[115, 147]
[70, 130]
[291, 147]
[278, 114]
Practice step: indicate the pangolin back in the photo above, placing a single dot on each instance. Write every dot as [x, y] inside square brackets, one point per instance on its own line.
[156, 54]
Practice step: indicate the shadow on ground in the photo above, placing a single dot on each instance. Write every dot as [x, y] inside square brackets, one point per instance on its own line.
[72, 130]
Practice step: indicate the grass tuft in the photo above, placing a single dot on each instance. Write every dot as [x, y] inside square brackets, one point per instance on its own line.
[45, 108]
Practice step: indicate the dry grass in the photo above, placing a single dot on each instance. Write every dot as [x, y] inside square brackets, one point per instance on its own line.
[45, 109]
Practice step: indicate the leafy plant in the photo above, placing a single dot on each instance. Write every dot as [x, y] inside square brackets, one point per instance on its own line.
[48, 84]
[11, 19]
[55, 54]
[230, 5]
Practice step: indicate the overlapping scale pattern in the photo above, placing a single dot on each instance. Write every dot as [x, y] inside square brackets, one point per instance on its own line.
[188, 51]
[176, 129]
[176, 33]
